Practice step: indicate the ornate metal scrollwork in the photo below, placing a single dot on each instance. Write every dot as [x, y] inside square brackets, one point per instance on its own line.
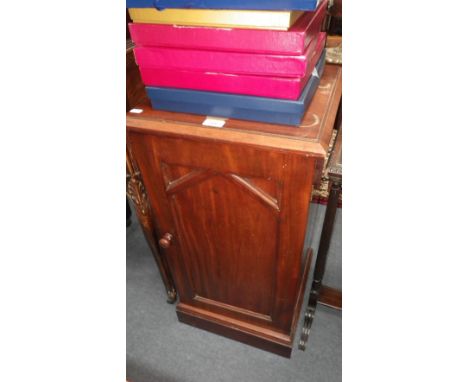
[309, 314]
[308, 319]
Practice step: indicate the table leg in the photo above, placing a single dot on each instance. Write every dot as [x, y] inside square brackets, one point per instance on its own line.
[129, 213]
[319, 270]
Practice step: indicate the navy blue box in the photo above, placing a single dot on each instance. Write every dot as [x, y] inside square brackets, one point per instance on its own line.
[274, 5]
[261, 109]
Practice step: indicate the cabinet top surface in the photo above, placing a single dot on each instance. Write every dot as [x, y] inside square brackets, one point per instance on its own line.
[312, 136]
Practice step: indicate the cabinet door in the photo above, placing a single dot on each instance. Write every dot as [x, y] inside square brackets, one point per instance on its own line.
[237, 217]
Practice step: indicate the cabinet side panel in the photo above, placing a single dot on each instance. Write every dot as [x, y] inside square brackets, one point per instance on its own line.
[298, 173]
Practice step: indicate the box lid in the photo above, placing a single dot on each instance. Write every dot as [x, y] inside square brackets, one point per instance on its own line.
[304, 5]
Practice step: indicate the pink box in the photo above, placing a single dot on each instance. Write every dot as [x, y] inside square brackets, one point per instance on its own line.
[224, 62]
[263, 86]
[292, 42]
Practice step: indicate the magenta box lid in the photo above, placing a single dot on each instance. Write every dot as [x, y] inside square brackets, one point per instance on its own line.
[263, 86]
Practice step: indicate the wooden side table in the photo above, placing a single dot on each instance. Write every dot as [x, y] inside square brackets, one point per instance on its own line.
[320, 293]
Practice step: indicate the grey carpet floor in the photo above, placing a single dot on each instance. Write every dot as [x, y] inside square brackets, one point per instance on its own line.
[161, 349]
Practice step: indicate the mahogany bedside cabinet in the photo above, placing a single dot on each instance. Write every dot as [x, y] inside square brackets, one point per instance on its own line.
[228, 208]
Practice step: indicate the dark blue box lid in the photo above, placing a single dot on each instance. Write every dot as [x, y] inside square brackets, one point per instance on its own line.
[277, 5]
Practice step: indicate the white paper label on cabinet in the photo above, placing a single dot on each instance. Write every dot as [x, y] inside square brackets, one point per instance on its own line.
[214, 122]
[136, 111]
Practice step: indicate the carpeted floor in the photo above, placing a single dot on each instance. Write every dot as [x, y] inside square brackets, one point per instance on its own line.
[160, 349]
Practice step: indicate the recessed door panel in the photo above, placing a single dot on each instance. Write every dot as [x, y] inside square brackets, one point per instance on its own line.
[229, 229]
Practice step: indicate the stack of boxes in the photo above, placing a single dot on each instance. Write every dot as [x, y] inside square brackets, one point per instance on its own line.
[262, 64]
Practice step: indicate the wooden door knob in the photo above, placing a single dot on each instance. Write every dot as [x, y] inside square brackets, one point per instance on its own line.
[165, 241]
